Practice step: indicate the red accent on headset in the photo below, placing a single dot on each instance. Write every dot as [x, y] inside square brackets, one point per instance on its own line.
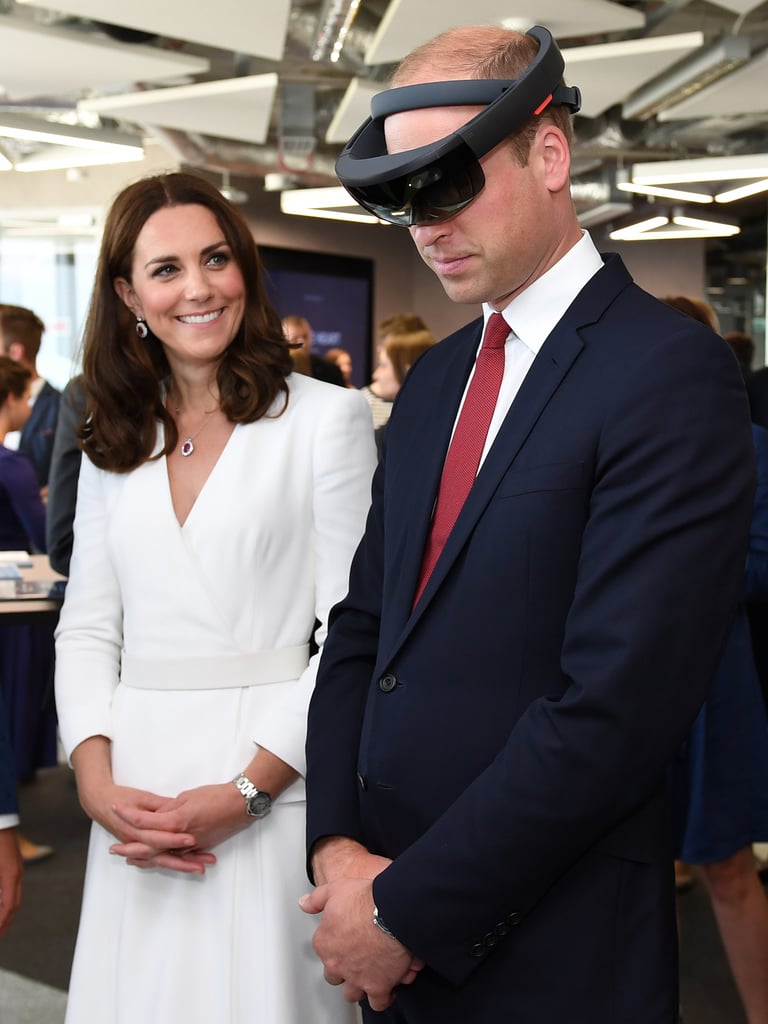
[543, 106]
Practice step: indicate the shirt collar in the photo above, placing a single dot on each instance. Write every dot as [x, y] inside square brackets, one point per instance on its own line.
[533, 313]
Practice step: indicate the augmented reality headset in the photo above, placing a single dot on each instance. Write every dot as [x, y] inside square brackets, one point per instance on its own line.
[432, 183]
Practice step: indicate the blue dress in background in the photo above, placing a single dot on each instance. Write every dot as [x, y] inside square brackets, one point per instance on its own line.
[26, 650]
[719, 781]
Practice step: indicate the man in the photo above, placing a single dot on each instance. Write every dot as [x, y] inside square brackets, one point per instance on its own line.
[65, 472]
[21, 333]
[298, 331]
[491, 724]
[11, 867]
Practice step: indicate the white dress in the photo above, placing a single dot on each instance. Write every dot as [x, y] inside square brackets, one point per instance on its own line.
[265, 550]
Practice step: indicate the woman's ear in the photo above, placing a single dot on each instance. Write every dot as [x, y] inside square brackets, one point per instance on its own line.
[123, 288]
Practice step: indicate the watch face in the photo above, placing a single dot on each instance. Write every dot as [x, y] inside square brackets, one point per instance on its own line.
[258, 805]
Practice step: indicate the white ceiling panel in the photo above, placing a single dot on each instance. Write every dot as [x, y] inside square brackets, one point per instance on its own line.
[408, 23]
[741, 92]
[42, 61]
[607, 74]
[236, 108]
[354, 108]
[738, 6]
[256, 27]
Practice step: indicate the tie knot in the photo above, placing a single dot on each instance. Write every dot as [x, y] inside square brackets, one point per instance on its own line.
[496, 331]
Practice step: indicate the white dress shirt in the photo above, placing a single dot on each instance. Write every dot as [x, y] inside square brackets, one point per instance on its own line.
[532, 315]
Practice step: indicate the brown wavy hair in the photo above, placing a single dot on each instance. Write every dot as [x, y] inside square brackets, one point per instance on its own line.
[125, 375]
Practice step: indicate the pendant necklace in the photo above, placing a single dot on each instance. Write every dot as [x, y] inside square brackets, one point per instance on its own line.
[188, 447]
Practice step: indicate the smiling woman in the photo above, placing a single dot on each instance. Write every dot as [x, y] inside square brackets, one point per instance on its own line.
[220, 501]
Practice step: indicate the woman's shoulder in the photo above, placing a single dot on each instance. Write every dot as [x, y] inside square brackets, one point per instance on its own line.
[307, 392]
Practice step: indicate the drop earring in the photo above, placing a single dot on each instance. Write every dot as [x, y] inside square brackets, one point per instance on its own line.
[141, 328]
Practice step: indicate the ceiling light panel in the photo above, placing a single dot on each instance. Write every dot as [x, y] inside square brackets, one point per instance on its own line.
[236, 108]
[600, 70]
[738, 6]
[39, 60]
[332, 203]
[741, 92]
[245, 26]
[408, 23]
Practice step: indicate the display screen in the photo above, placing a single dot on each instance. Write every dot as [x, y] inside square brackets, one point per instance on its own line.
[334, 293]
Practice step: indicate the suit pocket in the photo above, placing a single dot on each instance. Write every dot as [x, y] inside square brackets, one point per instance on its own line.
[561, 476]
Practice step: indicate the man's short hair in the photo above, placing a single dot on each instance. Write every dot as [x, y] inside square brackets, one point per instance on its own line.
[20, 326]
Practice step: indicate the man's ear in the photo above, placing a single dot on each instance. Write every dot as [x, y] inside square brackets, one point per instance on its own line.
[16, 351]
[123, 288]
[557, 157]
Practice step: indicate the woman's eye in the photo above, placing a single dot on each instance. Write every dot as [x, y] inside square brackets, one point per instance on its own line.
[165, 270]
[218, 259]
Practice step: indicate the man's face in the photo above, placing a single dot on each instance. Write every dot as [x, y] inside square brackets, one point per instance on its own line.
[507, 236]
[298, 334]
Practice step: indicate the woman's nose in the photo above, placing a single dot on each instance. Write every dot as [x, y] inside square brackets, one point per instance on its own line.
[197, 286]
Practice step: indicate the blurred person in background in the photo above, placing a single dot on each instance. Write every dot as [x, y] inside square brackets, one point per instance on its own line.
[21, 334]
[341, 358]
[298, 331]
[26, 649]
[719, 779]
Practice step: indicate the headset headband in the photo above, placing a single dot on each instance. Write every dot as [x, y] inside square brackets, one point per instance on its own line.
[365, 161]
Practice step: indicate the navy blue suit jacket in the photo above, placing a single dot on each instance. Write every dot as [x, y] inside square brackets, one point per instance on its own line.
[8, 801]
[506, 742]
[37, 436]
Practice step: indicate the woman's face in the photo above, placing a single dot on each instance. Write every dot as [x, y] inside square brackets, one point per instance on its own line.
[186, 284]
[344, 363]
[386, 383]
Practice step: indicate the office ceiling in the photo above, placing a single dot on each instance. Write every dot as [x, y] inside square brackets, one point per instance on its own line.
[233, 88]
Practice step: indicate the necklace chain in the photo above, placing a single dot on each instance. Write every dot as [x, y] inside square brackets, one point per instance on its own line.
[188, 447]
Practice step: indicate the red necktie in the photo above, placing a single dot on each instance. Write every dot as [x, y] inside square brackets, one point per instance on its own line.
[467, 444]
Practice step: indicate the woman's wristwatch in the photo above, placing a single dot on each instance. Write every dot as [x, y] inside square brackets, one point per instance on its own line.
[257, 803]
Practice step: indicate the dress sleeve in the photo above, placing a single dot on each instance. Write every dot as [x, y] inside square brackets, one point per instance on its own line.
[344, 458]
[89, 632]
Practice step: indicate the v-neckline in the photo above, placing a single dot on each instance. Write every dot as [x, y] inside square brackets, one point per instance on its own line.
[204, 486]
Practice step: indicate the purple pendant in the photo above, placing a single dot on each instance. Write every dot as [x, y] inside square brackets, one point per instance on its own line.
[187, 448]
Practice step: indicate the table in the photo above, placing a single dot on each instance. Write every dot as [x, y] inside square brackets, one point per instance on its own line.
[35, 569]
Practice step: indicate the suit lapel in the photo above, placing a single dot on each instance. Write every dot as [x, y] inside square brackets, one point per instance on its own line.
[419, 476]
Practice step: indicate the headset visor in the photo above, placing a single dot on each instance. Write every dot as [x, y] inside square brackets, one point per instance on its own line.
[432, 193]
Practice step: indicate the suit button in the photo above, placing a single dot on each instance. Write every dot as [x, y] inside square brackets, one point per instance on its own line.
[362, 781]
[502, 929]
[513, 919]
[387, 683]
[490, 940]
[478, 950]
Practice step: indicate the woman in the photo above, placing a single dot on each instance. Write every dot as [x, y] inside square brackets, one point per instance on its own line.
[403, 337]
[719, 796]
[219, 503]
[399, 351]
[26, 651]
[341, 358]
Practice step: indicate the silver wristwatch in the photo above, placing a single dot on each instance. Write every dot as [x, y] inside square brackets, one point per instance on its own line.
[257, 803]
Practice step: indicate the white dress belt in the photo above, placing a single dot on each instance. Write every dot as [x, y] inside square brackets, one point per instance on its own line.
[213, 673]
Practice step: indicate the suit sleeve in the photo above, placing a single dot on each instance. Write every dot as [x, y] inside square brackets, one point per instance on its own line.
[756, 578]
[8, 798]
[62, 481]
